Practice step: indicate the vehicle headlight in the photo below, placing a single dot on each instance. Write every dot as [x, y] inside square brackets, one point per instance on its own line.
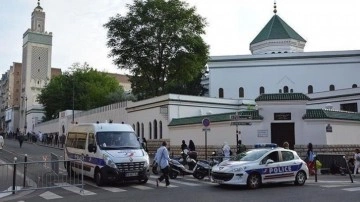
[109, 162]
[238, 169]
[147, 163]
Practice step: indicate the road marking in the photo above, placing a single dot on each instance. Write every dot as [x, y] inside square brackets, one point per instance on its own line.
[74, 189]
[197, 180]
[141, 187]
[111, 189]
[154, 183]
[49, 195]
[179, 182]
[352, 189]
[333, 186]
[9, 191]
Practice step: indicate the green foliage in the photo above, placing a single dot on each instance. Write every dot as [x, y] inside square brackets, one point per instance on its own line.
[83, 88]
[160, 42]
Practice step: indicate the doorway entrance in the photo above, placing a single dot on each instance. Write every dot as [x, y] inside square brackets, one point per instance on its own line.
[283, 132]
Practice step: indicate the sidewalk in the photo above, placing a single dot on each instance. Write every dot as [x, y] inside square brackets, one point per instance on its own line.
[329, 178]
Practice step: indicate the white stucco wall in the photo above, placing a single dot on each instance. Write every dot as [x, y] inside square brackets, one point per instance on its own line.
[273, 72]
[343, 133]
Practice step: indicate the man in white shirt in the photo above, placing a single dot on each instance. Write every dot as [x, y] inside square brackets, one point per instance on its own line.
[226, 151]
[162, 159]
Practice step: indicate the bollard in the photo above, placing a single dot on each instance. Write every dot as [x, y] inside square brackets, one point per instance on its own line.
[25, 168]
[14, 176]
[348, 170]
[315, 168]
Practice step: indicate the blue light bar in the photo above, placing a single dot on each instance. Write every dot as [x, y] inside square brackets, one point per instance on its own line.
[266, 145]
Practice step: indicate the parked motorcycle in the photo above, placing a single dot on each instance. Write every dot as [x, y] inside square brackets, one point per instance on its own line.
[176, 168]
[203, 167]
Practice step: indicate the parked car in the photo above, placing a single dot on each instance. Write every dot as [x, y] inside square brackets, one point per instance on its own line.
[267, 163]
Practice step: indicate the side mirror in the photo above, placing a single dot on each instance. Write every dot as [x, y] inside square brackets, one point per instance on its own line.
[92, 148]
[269, 161]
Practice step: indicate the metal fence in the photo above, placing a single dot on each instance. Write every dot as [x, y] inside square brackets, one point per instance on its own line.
[34, 175]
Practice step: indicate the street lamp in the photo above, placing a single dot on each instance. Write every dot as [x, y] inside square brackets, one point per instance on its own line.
[25, 107]
[73, 100]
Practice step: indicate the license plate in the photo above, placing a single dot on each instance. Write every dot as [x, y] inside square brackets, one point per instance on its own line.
[131, 174]
[218, 181]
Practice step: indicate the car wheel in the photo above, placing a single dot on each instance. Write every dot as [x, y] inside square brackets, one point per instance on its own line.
[173, 175]
[300, 178]
[199, 175]
[143, 181]
[99, 178]
[254, 181]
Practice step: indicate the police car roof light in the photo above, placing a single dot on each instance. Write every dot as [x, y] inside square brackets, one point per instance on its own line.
[266, 145]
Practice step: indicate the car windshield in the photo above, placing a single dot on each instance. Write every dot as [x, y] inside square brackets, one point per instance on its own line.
[117, 140]
[251, 155]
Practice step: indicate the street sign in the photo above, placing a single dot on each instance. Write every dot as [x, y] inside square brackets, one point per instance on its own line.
[240, 117]
[206, 129]
[236, 123]
[206, 122]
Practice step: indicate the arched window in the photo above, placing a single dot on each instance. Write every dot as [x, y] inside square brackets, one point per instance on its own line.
[310, 89]
[134, 126]
[262, 90]
[354, 86]
[150, 130]
[291, 90]
[241, 92]
[280, 91]
[155, 130]
[221, 93]
[286, 89]
[138, 129]
[160, 129]
[332, 87]
[142, 130]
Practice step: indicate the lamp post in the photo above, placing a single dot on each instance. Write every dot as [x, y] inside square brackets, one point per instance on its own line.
[73, 100]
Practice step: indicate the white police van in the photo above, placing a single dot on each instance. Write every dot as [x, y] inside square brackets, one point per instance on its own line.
[110, 152]
[267, 163]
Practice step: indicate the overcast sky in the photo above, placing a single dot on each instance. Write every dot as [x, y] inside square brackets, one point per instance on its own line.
[79, 35]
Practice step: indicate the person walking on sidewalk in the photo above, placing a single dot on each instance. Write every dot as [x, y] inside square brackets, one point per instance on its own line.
[162, 159]
[21, 139]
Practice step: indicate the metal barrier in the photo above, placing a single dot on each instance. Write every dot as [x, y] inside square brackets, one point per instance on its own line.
[35, 175]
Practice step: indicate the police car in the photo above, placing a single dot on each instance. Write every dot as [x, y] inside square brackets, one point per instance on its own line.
[267, 163]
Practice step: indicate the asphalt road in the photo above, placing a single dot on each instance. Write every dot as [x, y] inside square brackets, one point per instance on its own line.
[328, 187]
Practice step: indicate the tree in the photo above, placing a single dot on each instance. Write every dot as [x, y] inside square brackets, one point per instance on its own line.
[160, 43]
[90, 88]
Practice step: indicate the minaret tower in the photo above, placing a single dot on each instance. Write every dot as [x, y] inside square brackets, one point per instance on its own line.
[36, 69]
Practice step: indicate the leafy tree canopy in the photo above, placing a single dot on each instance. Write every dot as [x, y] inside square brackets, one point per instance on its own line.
[82, 87]
[160, 43]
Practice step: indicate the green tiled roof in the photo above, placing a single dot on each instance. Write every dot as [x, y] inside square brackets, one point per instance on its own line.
[276, 28]
[331, 114]
[214, 118]
[282, 96]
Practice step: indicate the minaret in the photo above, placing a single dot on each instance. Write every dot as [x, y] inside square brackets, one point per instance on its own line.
[277, 37]
[36, 69]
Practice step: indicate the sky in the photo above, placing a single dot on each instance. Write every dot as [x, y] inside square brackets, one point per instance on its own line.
[79, 35]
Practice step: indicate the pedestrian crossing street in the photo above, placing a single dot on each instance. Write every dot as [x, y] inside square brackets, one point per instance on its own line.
[90, 188]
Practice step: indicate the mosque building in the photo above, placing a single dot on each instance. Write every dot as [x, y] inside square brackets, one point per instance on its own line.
[279, 93]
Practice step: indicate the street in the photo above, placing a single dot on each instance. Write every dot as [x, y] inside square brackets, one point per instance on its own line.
[328, 188]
